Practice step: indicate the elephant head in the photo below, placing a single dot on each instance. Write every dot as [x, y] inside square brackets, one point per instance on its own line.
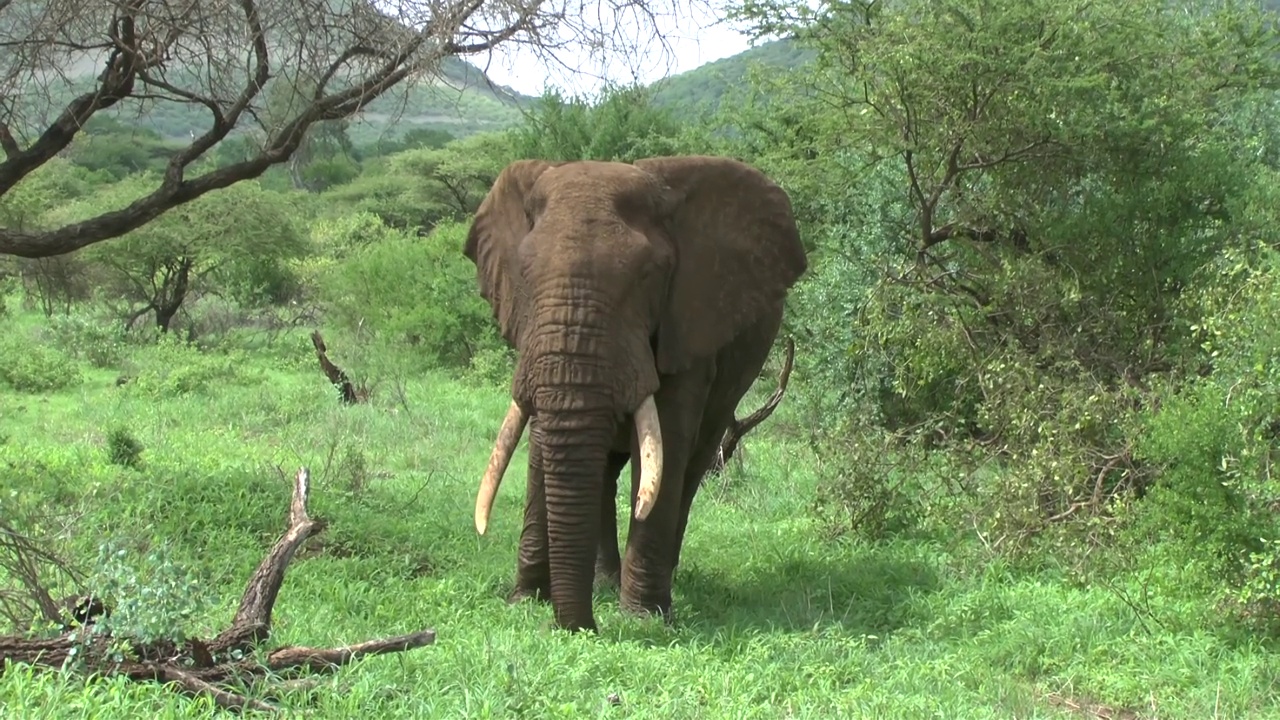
[605, 277]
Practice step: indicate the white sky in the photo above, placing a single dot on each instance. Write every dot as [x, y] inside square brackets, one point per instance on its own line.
[692, 41]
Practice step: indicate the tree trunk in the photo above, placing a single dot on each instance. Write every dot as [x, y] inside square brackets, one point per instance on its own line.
[173, 292]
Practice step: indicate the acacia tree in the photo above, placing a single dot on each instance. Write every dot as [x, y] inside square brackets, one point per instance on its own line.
[1042, 180]
[221, 56]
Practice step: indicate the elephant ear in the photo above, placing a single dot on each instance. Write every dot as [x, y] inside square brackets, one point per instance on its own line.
[501, 221]
[737, 252]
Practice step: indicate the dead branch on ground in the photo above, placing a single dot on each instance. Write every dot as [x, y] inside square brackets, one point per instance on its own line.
[738, 429]
[210, 667]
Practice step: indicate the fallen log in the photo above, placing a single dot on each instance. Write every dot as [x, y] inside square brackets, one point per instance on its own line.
[200, 667]
[337, 376]
[738, 429]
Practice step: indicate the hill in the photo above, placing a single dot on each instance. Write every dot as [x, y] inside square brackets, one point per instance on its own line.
[703, 88]
[461, 100]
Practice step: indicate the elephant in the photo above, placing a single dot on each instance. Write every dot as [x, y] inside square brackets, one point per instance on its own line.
[642, 300]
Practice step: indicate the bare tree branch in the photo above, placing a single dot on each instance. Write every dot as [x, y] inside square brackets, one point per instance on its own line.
[210, 668]
[738, 429]
[228, 57]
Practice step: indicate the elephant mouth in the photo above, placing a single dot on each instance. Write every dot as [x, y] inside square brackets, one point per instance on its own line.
[648, 432]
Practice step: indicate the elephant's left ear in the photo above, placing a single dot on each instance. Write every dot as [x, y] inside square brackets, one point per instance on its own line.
[501, 221]
[737, 248]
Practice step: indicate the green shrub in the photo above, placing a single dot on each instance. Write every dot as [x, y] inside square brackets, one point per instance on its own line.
[173, 367]
[1216, 440]
[89, 337]
[123, 448]
[32, 367]
[413, 294]
[152, 595]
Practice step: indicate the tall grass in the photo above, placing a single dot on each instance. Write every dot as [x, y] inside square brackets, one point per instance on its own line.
[773, 620]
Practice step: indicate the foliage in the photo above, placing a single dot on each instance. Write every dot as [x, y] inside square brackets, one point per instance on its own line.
[117, 149]
[33, 367]
[1215, 438]
[151, 596]
[622, 124]
[1049, 196]
[413, 292]
[172, 367]
[234, 242]
[123, 448]
[417, 188]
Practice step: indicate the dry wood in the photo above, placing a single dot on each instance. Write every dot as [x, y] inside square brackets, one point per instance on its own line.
[350, 393]
[205, 667]
[738, 429]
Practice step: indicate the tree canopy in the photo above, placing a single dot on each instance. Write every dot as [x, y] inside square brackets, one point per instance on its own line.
[223, 58]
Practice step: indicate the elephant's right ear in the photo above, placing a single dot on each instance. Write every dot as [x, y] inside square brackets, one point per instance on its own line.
[500, 223]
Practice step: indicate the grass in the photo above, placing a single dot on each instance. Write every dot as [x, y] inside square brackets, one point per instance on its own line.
[774, 620]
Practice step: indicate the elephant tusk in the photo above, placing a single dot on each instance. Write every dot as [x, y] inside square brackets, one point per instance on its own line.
[503, 448]
[649, 433]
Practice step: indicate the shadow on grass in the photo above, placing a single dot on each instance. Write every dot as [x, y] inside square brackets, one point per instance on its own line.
[869, 593]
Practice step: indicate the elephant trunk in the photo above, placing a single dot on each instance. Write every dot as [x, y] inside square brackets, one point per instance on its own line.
[648, 433]
[573, 448]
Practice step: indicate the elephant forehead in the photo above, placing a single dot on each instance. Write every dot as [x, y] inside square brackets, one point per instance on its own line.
[592, 183]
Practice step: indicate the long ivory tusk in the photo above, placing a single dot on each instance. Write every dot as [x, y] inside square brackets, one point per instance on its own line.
[503, 448]
[649, 432]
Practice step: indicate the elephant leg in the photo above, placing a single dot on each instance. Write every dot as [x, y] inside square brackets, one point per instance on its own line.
[533, 564]
[738, 366]
[608, 560]
[647, 566]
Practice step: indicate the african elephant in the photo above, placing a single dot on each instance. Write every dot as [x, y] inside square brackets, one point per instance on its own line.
[642, 300]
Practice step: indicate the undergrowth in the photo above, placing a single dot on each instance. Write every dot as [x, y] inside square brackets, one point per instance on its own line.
[775, 617]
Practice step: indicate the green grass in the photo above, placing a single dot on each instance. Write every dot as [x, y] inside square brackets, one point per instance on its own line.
[773, 620]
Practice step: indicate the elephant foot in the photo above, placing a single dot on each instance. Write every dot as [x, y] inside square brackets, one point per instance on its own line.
[521, 593]
[588, 627]
[648, 606]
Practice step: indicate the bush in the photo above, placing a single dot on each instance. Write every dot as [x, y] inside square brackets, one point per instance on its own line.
[174, 367]
[1215, 439]
[123, 448]
[89, 337]
[32, 367]
[415, 294]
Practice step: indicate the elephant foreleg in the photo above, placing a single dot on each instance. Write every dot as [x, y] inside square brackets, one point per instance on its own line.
[533, 565]
[737, 367]
[608, 559]
[648, 562]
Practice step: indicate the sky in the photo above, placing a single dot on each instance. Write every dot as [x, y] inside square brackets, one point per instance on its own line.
[692, 41]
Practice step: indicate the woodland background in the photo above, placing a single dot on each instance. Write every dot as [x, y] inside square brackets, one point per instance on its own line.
[1025, 465]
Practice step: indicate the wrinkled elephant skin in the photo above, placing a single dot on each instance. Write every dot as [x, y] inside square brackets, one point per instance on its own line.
[642, 300]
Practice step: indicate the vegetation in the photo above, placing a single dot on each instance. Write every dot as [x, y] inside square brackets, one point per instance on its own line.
[1024, 467]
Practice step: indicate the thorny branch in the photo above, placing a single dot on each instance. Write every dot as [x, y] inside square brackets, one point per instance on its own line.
[227, 57]
[738, 429]
[211, 667]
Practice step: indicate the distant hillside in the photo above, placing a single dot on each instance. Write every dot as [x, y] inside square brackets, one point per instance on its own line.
[703, 88]
[460, 100]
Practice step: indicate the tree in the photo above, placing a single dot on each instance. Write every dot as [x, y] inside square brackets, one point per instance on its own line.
[223, 57]
[232, 242]
[1043, 181]
[622, 124]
